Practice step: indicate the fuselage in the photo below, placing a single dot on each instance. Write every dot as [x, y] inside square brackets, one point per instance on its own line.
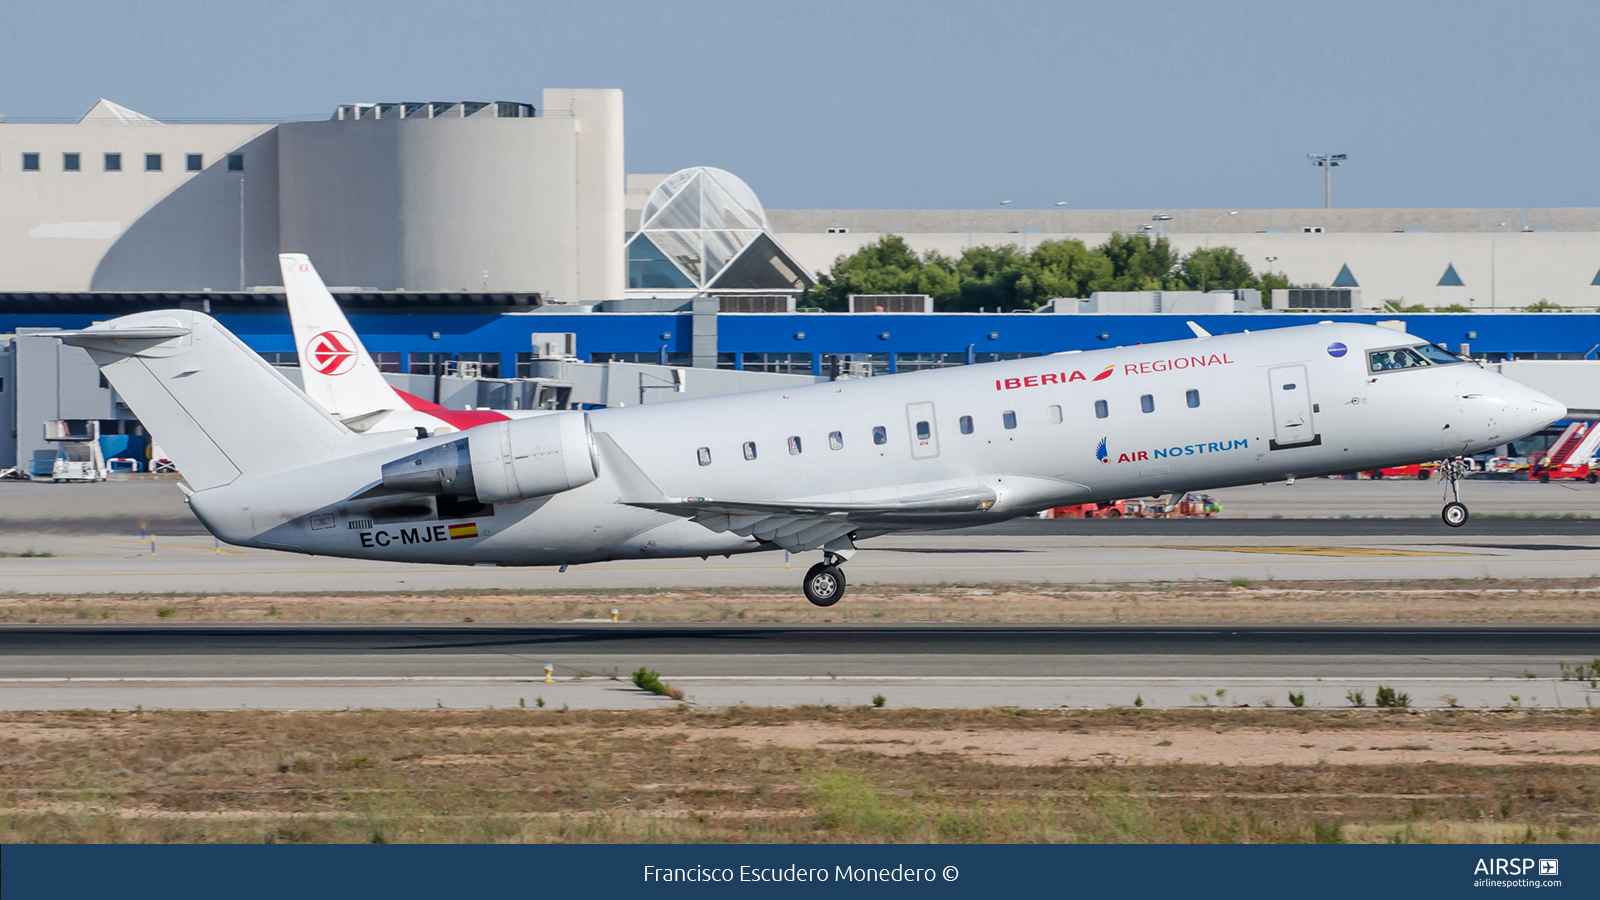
[1072, 427]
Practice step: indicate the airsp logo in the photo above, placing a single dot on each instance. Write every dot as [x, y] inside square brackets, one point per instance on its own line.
[331, 353]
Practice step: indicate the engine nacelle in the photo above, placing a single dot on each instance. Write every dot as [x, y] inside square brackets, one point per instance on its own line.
[532, 457]
[502, 461]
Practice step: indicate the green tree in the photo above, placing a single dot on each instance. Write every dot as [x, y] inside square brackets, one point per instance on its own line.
[988, 278]
[1138, 263]
[1216, 269]
[1061, 269]
[886, 266]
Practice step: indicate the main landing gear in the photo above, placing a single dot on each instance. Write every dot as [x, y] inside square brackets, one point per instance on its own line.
[824, 584]
[1451, 471]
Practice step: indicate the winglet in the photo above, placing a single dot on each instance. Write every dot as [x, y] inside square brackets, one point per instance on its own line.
[1198, 331]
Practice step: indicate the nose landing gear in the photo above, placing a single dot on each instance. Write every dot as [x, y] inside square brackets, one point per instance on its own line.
[1452, 471]
[824, 584]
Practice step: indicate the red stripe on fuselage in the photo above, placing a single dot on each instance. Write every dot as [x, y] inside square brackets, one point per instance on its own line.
[459, 418]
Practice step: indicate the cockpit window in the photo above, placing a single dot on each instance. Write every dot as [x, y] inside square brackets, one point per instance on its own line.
[1416, 357]
[1437, 356]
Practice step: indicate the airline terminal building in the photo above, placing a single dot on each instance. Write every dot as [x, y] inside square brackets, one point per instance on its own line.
[455, 231]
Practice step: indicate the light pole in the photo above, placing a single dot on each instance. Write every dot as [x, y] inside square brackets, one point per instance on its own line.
[1214, 224]
[1327, 161]
[1493, 238]
[969, 219]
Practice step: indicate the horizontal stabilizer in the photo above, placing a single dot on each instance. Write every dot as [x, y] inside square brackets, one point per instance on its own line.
[122, 341]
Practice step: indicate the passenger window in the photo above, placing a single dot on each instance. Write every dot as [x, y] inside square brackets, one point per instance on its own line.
[704, 455]
[966, 424]
[1100, 410]
[1147, 403]
[880, 435]
[923, 433]
[1009, 417]
[1055, 414]
[1193, 397]
[749, 449]
[794, 446]
[835, 440]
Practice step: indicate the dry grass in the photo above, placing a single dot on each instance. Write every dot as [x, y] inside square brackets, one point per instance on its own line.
[686, 775]
[1459, 601]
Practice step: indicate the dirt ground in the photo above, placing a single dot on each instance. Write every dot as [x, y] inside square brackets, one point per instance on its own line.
[806, 774]
[1458, 601]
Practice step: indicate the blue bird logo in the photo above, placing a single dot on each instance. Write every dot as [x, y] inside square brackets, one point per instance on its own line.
[1100, 451]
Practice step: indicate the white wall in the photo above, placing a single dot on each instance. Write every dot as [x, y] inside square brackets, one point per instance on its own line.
[133, 229]
[1528, 266]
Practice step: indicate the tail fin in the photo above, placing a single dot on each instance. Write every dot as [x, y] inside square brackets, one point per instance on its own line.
[215, 406]
[338, 372]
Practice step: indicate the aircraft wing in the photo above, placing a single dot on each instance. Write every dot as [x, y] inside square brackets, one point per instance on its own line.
[798, 526]
[795, 525]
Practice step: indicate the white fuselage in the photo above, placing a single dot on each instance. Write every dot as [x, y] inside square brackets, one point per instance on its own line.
[1222, 410]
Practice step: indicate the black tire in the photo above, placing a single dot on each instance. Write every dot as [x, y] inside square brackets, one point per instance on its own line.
[1592, 478]
[824, 584]
[1113, 513]
[1423, 475]
[1544, 477]
[1454, 514]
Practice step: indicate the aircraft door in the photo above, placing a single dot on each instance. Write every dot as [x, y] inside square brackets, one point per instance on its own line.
[1291, 407]
[924, 429]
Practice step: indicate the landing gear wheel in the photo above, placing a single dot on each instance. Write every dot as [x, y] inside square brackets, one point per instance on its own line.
[1454, 514]
[824, 584]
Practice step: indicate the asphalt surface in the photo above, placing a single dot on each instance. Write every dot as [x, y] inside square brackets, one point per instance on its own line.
[794, 650]
[925, 665]
[1034, 552]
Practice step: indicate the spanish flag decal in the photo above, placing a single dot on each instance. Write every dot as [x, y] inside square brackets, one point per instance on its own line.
[469, 530]
[1105, 374]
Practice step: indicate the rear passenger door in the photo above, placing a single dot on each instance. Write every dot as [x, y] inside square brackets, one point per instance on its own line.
[924, 430]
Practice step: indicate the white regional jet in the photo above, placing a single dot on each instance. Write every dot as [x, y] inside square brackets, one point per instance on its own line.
[819, 467]
[340, 376]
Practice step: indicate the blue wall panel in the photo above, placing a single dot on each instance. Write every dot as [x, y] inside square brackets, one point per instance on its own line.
[840, 333]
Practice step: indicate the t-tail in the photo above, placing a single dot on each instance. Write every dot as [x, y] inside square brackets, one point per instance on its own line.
[217, 408]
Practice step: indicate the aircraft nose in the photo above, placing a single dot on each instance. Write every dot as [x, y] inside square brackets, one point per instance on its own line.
[1543, 409]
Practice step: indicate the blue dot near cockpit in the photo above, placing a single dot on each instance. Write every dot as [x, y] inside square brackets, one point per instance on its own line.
[1337, 349]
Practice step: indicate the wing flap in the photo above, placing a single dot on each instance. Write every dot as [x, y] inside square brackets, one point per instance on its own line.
[799, 526]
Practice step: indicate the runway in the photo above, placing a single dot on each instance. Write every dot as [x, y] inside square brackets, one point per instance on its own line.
[1028, 551]
[923, 665]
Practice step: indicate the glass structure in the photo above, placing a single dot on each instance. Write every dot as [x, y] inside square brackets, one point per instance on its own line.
[704, 231]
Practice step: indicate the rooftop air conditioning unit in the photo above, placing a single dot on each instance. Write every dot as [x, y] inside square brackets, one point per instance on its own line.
[893, 303]
[555, 345]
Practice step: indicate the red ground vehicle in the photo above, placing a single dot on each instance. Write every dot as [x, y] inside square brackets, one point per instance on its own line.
[1421, 472]
[1190, 505]
[1569, 456]
[1116, 509]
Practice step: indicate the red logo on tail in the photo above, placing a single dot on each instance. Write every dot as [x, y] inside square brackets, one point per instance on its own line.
[331, 353]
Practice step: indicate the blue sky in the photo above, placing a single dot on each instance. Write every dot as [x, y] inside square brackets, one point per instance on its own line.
[914, 105]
